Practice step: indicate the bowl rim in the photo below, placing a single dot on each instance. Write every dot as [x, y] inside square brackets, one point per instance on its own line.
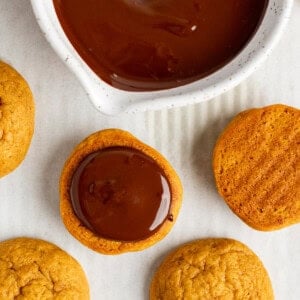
[111, 101]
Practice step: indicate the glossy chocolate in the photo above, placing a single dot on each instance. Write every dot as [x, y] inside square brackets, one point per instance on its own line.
[121, 194]
[158, 44]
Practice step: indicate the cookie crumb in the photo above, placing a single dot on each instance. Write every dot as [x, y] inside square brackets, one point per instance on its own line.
[170, 217]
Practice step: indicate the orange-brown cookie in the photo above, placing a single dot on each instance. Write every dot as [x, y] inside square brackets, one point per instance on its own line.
[211, 269]
[35, 269]
[16, 118]
[118, 194]
[256, 163]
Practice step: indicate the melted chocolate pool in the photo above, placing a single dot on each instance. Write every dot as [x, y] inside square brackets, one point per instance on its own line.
[146, 45]
[120, 194]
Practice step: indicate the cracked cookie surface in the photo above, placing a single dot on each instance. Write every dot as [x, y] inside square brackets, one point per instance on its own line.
[35, 269]
[16, 118]
[211, 269]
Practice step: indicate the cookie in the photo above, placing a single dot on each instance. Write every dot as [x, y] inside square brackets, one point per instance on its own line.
[16, 118]
[211, 269]
[256, 164]
[118, 194]
[35, 269]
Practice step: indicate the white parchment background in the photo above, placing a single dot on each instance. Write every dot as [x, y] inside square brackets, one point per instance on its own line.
[29, 202]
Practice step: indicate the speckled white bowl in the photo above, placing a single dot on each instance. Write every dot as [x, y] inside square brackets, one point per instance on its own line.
[110, 100]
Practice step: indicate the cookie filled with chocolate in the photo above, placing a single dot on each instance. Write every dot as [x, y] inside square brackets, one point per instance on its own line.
[118, 194]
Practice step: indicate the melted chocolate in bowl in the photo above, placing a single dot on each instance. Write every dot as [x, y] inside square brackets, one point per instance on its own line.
[120, 194]
[145, 45]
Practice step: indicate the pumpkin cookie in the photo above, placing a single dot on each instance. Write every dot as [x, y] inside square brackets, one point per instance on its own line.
[256, 164]
[16, 118]
[211, 269]
[35, 269]
[117, 194]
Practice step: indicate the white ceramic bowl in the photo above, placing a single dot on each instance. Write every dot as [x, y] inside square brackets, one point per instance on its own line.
[110, 100]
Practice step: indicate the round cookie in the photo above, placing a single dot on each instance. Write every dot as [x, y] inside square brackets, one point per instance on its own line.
[35, 269]
[108, 139]
[256, 166]
[211, 269]
[16, 118]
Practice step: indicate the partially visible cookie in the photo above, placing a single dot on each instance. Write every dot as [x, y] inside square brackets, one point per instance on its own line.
[256, 164]
[211, 269]
[35, 269]
[16, 118]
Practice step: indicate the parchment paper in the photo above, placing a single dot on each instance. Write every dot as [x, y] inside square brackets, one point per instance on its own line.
[29, 202]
